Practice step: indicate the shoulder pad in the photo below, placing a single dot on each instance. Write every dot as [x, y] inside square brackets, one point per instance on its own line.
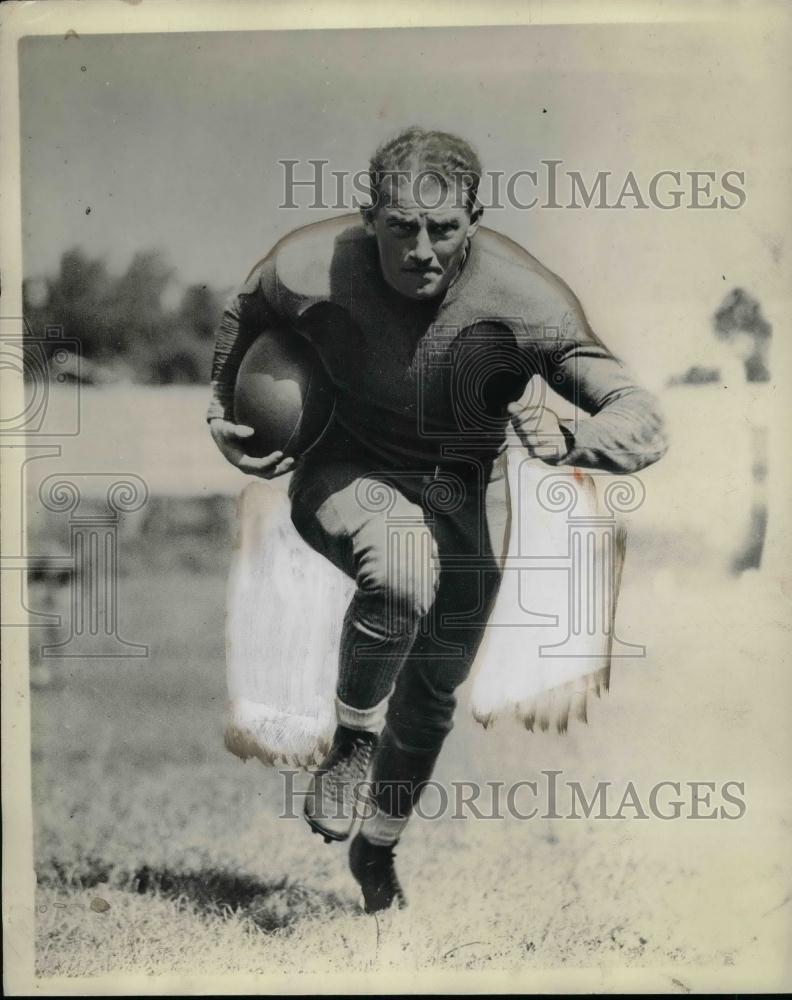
[304, 257]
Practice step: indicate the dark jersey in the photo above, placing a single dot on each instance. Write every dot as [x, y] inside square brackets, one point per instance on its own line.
[418, 381]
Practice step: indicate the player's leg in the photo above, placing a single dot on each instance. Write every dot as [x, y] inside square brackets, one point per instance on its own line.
[421, 709]
[372, 532]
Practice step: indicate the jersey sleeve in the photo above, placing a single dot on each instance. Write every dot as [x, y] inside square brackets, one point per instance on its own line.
[252, 307]
[624, 429]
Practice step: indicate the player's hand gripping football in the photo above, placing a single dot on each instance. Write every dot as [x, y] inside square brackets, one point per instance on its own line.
[230, 439]
[539, 431]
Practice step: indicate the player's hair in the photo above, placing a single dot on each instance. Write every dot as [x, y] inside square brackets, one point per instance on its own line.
[430, 152]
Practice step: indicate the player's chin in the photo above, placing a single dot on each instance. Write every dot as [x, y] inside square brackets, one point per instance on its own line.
[419, 285]
[426, 290]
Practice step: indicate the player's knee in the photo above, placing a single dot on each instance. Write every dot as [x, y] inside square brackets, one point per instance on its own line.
[402, 576]
[411, 573]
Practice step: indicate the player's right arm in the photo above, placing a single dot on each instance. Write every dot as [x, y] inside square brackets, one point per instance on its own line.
[248, 312]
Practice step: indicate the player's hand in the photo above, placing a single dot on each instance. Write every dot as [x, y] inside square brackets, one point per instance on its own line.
[539, 431]
[230, 439]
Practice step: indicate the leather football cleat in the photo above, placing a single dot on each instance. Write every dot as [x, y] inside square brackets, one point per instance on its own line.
[331, 803]
[374, 871]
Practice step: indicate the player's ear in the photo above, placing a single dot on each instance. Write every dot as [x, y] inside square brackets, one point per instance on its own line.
[475, 219]
[368, 214]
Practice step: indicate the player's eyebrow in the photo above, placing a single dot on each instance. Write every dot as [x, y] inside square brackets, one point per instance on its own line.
[398, 215]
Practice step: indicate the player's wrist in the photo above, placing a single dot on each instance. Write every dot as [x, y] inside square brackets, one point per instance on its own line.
[569, 440]
[565, 447]
[217, 412]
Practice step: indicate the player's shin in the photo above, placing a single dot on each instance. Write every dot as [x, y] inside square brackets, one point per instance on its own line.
[368, 667]
[370, 659]
[400, 775]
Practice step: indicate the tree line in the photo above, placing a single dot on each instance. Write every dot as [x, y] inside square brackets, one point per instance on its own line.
[124, 324]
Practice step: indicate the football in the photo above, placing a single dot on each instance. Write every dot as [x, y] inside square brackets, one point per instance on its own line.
[284, 393]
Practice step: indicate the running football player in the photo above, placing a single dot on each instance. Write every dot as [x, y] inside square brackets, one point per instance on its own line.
[430, 327]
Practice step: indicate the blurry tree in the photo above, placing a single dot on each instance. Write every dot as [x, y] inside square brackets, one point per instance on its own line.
[74, 299]
[739, 319]
[200, 310]
[121, 323]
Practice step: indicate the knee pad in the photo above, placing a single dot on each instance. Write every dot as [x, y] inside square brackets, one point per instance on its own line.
[397, 584]
[412, 575]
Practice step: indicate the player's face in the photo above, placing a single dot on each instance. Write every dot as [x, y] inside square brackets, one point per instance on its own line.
[421, 236]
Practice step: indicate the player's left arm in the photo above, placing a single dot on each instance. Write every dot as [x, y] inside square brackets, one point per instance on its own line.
[624, 429]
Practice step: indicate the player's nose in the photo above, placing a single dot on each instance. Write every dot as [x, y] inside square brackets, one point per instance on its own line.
[422, 252]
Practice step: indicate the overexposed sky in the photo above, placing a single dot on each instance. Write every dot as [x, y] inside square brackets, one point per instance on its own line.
[172, 141]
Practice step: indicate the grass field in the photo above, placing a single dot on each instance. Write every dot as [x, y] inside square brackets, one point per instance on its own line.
[156, 851]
